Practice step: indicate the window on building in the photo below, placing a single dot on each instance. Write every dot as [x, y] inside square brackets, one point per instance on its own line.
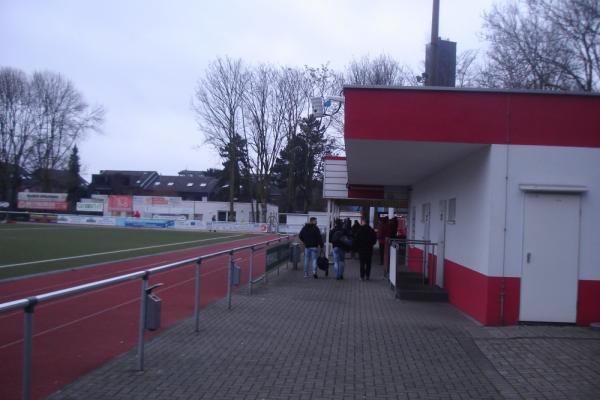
[156, 183]
[190, 184]
[138, 181]
[170, 183]
[203, 185]
[222, 216]
[452, 211]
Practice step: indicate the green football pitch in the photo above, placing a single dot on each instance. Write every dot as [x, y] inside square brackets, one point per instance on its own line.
[33, 248]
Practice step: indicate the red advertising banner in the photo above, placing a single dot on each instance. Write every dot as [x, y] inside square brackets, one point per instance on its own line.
[42, 205]
[120, 203]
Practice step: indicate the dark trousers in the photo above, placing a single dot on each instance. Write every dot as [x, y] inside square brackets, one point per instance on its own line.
[381, 252]
[365, 263]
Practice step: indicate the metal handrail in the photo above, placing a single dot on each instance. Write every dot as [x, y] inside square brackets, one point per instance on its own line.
[28, 304]
[425, 261]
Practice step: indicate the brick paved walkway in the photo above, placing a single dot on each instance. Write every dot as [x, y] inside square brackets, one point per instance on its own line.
[325, 339]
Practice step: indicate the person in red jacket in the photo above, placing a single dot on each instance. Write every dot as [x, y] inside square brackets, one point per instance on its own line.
[383, 232]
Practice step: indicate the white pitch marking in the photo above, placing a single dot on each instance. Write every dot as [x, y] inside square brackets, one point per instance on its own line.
[114, 252]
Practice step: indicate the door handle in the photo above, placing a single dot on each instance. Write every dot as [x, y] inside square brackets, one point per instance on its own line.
[528, 258]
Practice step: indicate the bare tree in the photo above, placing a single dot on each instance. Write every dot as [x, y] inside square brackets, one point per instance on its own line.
[293, 89]
[41, 119]
[543, 44]
[218, 105]
[266, 133]
[16, 129]
[576, 24]
[466, 69]
[381, 70]
[62, 118]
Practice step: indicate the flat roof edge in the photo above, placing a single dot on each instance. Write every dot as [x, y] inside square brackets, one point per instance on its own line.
[472, 90]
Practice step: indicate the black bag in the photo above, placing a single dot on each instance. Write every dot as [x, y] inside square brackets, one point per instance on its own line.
[343, 239]
[323, 263]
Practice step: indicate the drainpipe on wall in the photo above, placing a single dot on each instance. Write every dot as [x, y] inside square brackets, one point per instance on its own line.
[503, 282]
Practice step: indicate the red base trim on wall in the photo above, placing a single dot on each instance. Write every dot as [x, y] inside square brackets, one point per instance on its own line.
[478, 295]
[414, 259]
[588, 302]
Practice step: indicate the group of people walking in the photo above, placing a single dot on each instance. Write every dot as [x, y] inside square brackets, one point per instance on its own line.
[359, 238]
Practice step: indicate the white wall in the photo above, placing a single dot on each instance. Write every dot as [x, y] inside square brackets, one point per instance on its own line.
[467, 241]
[335, 179]
[550, 165]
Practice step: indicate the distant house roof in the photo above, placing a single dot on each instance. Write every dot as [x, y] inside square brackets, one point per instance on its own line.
[184, 184]
[187, 172]
[109, 179]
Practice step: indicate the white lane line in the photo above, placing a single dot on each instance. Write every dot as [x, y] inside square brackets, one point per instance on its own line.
[115, 251]
[98, 277]
[72, 322]
[30, 229]
[66, 299]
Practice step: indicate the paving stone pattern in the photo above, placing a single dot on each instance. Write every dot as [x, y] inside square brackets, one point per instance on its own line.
[299, 338]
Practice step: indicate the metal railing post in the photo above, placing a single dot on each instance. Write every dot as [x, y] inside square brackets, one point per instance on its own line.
[266, 263]
[27, 347]
[251, 268]
[229, 276]
[142, 327]
[423, 264]
[426, 252]
[197, 297]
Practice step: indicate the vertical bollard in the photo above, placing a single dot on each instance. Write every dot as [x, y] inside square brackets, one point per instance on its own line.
[27, 347]
[142, 326]
[229, 276]
[197, 296]
[251, 268]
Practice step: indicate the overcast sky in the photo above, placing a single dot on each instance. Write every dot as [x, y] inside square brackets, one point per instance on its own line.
[141, 59]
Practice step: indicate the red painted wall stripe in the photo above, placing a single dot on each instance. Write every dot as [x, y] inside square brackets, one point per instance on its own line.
[478, 295]
[588, 302]
[472, 117]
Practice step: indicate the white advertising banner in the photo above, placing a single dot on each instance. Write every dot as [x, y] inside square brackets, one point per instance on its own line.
[237, 227]
[90, 207]
[36, 196]
[42, 201]
[190, 224]
[162, 205]
[86, 220]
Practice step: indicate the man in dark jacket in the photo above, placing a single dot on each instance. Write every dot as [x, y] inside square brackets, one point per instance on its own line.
[310, 235]
[364, 241]
[341, 238]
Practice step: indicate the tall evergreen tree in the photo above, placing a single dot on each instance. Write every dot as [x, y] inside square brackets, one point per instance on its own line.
[74, 190]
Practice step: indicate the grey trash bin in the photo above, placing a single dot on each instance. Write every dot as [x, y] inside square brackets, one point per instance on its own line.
[153, 306]
[235, 275]
[295, 254]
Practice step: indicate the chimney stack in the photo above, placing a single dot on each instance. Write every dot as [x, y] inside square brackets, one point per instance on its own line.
[440, 55]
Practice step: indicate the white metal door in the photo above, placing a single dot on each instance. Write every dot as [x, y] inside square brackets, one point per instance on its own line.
[550, 258]
[439, 266]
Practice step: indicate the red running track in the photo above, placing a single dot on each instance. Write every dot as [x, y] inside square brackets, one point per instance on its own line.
[75, 335]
